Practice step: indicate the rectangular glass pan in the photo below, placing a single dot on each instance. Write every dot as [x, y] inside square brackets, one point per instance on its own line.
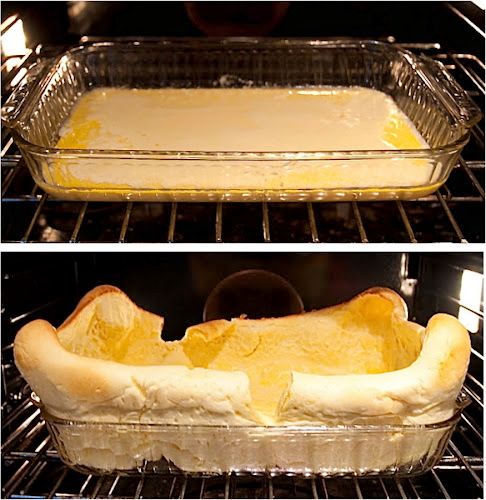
[440, 110]
[359, 450]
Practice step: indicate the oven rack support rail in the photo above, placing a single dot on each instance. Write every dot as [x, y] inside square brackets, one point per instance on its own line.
[454, 213]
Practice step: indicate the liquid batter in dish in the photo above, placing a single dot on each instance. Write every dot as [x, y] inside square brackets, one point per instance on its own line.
[248, 119]
[251, 120]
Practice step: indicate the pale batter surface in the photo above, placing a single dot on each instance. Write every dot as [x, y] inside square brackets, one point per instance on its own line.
[248, 119]
[242, 120]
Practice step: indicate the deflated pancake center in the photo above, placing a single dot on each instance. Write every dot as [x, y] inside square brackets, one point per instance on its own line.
[361, 337]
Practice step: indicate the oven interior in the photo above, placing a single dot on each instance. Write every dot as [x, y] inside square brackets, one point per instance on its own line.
[455, 213]
[178, 286]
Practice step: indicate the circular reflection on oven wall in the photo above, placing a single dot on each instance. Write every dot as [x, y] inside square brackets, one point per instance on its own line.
[255, 293]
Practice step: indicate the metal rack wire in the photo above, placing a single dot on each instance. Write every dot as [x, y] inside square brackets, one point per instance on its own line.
[32, 469]
[454, 213]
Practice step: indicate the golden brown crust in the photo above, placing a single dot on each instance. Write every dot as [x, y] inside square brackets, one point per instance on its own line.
[451, 335]
[95, 293]
[423, 392]
[24, 355]
[388, 294]
[36, 340]
[75, 385]
[88, 298]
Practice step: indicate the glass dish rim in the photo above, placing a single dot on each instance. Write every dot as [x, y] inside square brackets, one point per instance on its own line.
[344, 154]
[225, 43]
[461, 402]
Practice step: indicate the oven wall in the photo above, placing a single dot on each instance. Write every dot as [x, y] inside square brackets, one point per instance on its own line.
[61, 22]
[176, 285]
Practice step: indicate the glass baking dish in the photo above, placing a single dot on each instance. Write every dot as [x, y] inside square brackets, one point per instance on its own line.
[422, 88]
[357, 450]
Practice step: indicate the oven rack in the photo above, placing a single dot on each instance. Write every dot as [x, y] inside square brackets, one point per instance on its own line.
[455, 213]
[32, 468]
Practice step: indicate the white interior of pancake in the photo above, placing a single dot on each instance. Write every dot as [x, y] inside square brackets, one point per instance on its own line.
[359, 337]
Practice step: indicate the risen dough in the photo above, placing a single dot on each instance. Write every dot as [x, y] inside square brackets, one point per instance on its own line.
[360, 362]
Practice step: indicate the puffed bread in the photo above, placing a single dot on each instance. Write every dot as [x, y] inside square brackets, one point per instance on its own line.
[74, 382]
[368, 334]
[421, 393]
[190, 384]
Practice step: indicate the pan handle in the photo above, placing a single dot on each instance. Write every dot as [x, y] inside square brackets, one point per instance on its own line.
[16, 105]
[453, 96]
